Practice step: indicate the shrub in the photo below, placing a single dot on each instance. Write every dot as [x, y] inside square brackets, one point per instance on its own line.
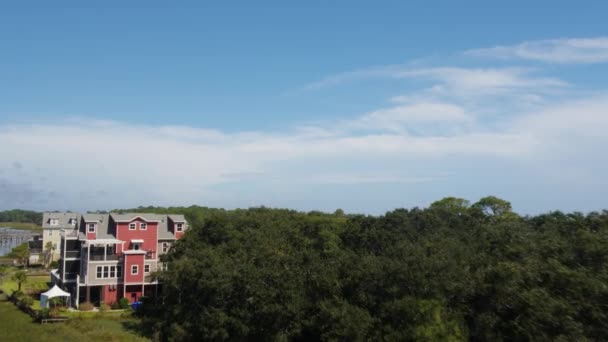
[43, 313]
[54, 264]
[26, 301]
[123, 303]
[54, 312]
[86, 306]
[103, 307]
[115, 305]
[18, 294]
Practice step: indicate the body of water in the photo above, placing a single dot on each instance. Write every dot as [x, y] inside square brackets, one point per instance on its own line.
[6, 245]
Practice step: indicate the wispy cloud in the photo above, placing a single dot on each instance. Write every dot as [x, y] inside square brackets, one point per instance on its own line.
[463, 127]
[565, 51]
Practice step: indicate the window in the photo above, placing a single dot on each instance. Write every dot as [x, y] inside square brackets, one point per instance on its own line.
[112, 271]
[118, 271]
[54, 222]
[99, 269]
[146, 268]
[134, 269]
[163, 266]
[180, 227]
[50, 232]
[91, 227]
[131, 226]
[165, 247]
[105, 271]
[73, 222]
[143, 226]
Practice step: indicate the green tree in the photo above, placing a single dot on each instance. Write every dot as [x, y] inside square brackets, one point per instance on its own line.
[20, 277]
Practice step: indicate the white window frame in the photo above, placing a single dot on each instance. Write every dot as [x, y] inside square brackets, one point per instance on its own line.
[112, 271]
[54, 222]
[166, 247]
[179, 227]
[99, 273]
[89, 226]
[147, 268]
[132, 224]
[50, 232]
[134, 269]
[143, 226]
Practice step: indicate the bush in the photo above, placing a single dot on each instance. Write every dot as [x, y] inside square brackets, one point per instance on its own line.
[115, 305]
[54, 264]
[123, 303]
[17, 294]
[103, 307]
[44, 313]
[26, 301]
[86, 306]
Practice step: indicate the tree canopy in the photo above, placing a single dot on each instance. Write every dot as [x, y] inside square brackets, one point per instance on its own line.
[455, 271]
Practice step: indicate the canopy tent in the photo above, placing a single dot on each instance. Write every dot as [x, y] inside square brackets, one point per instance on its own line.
[55, 291]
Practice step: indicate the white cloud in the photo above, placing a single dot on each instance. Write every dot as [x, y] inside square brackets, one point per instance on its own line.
[119, 164]
[575, 50]
[483, 80]
[466, 122]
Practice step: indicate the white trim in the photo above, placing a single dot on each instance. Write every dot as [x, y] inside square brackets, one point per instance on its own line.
[135, 218]
[134, 251]
[148, 267]
[136, 270]
[89, 228]
[178, 228]
[137, 240]
[143, 226]
[132, 224]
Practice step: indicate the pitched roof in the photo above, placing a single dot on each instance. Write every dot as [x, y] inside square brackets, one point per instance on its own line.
[62, 218]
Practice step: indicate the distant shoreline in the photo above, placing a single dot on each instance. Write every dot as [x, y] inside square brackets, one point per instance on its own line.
[21, 226]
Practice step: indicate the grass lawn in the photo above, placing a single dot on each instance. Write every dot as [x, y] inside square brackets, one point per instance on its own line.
[22, 226]
[17, 326]
[33, 284]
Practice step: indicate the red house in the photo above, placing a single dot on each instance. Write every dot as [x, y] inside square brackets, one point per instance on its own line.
[110, 256]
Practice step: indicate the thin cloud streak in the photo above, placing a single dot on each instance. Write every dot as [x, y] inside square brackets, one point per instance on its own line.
[560, 51]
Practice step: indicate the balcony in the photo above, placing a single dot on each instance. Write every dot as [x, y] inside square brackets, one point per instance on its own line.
[104, 257]
[70, 276]
[72, 254]
[69, 233]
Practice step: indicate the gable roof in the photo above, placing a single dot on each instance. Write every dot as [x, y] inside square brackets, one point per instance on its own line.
[63, 220]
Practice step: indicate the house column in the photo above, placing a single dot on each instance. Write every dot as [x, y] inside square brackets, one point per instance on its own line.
[105, 251]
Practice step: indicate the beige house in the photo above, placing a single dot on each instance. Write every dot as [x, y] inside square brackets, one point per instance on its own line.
[52, 224]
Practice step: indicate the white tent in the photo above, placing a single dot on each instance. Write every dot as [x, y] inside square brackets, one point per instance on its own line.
[55, 291]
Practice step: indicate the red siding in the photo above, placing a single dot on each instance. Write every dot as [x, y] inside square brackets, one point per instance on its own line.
[110, 295]
[91, 236]
[149, 235]
[178, 235]
[133, 292]
[130, 260]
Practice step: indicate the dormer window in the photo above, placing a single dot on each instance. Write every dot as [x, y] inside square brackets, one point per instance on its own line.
[179, 227]
[73, 222]
[143, 226]
[54, 222]
[91, 227]
[131, 226]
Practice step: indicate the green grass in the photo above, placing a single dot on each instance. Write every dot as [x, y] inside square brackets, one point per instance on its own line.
[21, 225]
[17, 326]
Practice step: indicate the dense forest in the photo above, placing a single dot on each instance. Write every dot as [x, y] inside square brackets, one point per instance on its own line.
[451, 272]
[21, 216]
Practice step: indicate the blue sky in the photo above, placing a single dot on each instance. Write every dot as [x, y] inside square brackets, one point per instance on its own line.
[365, 106]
